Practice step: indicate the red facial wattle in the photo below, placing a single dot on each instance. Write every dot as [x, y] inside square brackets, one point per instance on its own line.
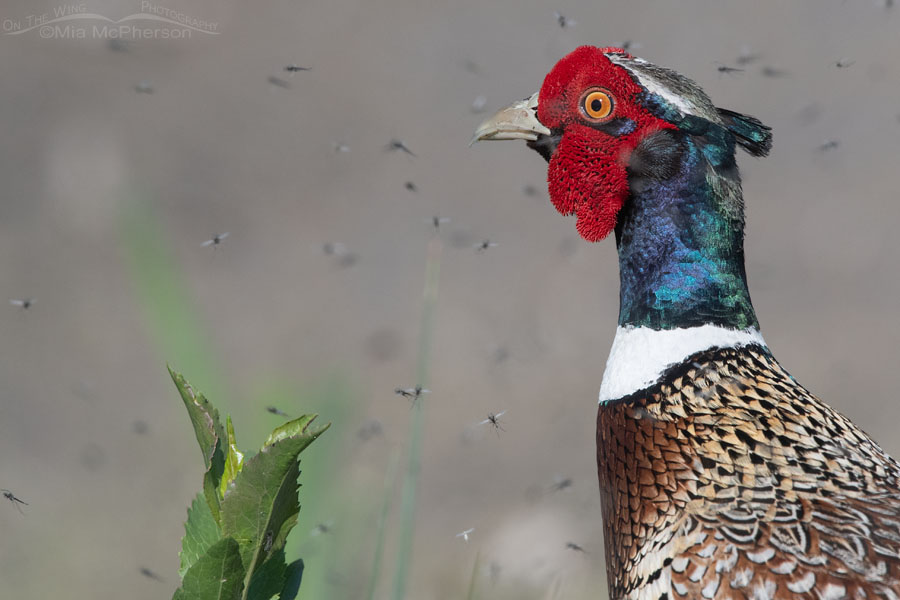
[587, 175]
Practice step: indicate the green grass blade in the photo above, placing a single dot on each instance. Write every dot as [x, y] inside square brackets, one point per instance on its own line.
[389, 481]
[168, 310]
[408, 501]
[471, 594]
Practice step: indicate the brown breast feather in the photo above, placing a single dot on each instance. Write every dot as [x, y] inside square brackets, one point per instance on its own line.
[730, 480]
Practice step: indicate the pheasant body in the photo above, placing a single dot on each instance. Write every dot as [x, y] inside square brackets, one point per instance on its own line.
[727, 479]
[720, 475]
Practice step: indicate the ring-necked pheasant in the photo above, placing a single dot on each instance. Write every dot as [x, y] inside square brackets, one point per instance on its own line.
[720, 475]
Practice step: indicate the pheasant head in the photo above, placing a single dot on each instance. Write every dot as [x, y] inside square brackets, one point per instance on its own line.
[609, 123]
[641, 150]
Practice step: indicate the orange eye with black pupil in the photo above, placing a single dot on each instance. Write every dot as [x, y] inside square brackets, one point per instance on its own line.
[597, 104]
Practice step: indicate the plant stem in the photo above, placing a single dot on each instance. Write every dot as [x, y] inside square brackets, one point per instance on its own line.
[389, 481]
[408, 501]
[471, 594]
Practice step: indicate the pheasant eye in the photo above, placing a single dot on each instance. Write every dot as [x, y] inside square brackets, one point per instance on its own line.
[597, 104]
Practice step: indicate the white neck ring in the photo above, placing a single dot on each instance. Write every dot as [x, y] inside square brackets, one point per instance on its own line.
[640, 355]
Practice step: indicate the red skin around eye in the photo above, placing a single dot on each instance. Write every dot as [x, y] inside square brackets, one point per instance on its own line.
[587, 174]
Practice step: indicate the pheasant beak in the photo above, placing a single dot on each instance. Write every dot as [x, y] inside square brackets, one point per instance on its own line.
[518, 121]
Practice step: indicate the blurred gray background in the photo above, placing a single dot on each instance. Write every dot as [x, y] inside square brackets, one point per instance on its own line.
[117, 161]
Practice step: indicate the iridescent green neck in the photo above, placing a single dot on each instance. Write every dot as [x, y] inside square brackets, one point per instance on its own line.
[680, 238]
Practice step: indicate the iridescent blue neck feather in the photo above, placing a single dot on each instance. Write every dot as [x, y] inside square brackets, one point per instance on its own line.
[680, 234]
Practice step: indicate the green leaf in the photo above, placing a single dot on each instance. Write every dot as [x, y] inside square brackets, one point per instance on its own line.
[200, 532]
[234, 460]
[267, 581]
[217, 575]
[280, 538]
[292, 577]
[261, 505]
[203, 414]
[210, 435]
[294, 428]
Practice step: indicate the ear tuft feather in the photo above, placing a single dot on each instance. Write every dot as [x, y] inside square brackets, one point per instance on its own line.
[749, 132]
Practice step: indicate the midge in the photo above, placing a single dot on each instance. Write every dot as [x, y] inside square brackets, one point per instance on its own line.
[277, 411]
[437, 221]
[413, 393]
[396, 144]
[216, 239]
[484, 245]
[14, 500]
[562, 20]
[720, 475]
[24, 303]
[494, 420]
